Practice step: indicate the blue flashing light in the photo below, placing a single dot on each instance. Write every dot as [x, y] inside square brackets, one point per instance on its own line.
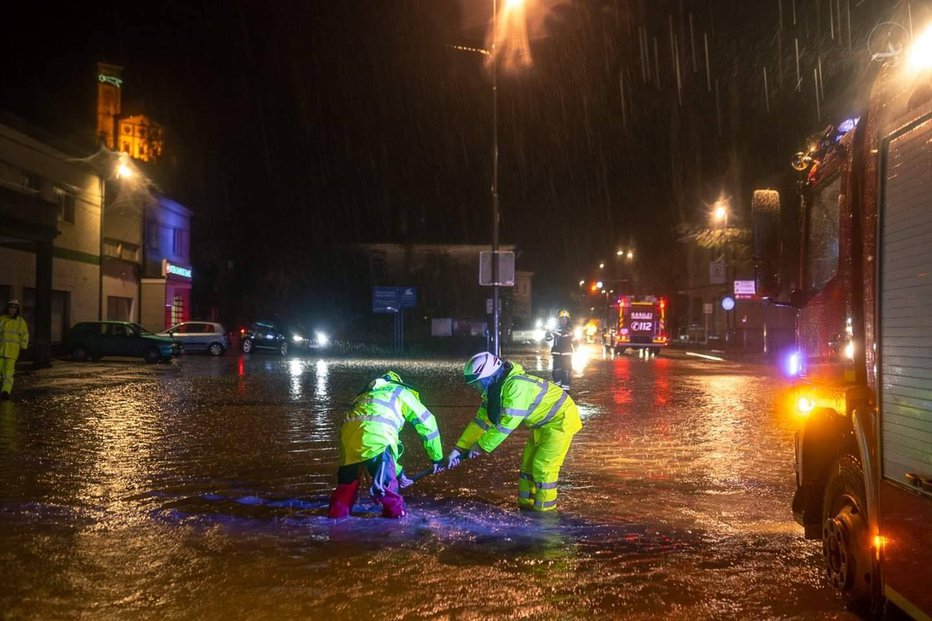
[792, 365]
[848, 124]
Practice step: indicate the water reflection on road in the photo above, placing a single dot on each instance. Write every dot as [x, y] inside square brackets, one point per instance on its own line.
[199, 490]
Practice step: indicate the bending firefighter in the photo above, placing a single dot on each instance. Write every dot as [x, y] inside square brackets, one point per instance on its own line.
[369, 438]
[564, 344]
[511, 397]
[14, 336]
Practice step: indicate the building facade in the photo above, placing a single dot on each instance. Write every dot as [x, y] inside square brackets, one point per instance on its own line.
[50, 207]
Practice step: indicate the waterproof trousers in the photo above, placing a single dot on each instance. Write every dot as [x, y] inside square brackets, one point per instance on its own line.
[540, 468]
[384, 486]
[562, 368]
[7, 368]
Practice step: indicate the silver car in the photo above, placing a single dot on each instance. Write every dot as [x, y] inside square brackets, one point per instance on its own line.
[200, 336]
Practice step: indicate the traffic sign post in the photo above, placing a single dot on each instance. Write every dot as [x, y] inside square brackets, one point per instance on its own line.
[393, 300]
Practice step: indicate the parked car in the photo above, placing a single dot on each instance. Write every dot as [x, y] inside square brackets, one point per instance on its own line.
[200, 336]
[95, 339]
[265, 335]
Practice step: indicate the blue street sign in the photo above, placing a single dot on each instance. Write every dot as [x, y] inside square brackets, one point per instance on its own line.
[386, 299]
[393, 299]
[408, 297]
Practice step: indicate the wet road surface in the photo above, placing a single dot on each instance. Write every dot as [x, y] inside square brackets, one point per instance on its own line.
[199, 490]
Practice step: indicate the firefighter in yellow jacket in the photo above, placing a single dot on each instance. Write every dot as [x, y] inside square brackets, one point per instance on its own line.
[14, 336]
[511, 397]
[369, 439]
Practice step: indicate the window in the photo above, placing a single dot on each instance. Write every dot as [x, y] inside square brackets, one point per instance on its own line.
[121, 250]
[823, 233]
[65, 201]
[177, 309]
[178, 242]
[118, 309]
[152, 234]
[31, 181]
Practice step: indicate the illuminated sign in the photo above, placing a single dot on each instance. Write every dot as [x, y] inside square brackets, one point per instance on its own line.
[175, 270]
[110, 79]
[745, 290]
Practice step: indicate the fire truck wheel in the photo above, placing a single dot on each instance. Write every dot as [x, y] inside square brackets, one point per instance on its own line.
[845, 536]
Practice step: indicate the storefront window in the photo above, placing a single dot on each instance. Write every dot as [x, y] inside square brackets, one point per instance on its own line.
[177, 309]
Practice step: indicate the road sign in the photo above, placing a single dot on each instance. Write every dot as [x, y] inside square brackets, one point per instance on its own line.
[506, 268]
[717, 272]
[707, 308]
[728, 303]
[386, 299]
[393, 299]
[408, 297]
[745, 290]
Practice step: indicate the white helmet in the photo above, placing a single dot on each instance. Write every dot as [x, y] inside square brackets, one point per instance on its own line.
[481, 366]
[13, 302]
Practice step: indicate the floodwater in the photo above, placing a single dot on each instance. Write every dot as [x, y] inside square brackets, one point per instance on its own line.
[199, 490]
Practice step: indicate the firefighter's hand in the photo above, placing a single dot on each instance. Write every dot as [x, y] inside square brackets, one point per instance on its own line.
[476, 451]
[453, 459]
[404, 481]
[438, 466]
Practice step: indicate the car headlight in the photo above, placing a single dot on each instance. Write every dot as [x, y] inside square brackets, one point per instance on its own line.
[322, 339]
[297, 338]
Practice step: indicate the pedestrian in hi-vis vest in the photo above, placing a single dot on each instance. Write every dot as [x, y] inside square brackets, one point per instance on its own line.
[511, 397]
[14, 336]
[369, 439]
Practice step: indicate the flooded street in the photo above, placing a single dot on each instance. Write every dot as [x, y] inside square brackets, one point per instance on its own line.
[199, 490]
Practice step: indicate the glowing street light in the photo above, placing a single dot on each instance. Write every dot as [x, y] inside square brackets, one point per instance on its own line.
[123, 169]
[514, 18]
[920, 56]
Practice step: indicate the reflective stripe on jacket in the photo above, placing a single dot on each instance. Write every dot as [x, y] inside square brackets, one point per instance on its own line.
[377, 416]
[14, 335]
[525, 399]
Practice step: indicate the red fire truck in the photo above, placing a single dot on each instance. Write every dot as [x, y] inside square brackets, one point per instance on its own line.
[642, 324]
[863, 363]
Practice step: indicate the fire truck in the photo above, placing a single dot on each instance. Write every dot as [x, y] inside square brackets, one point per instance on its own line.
[642, 324]
[862, 366]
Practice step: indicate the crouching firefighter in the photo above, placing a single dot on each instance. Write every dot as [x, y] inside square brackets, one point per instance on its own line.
[369, 438]
[511, 397]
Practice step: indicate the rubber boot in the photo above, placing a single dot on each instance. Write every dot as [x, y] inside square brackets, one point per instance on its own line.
[393, 505]
[342, 499]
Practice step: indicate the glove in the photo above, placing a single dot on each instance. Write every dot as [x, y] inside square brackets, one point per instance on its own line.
[438, 466]
[453, 459]
[476, 451]
[404, 481]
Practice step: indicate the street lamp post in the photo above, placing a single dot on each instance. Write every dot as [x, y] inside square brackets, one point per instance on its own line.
[721, 215]
[496, 341]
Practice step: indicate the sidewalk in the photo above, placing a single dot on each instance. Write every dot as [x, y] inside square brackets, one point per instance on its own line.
[679, 350]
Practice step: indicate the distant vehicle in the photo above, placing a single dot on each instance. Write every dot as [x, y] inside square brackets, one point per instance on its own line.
[265, 335]
[96, 339]
[642, 324]
[305, 339]
[200, 336]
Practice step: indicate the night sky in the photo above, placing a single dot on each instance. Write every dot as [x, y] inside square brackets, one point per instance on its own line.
[293, 125]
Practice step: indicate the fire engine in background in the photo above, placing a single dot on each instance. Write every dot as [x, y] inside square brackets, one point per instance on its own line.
[642, 324]
[864, 359]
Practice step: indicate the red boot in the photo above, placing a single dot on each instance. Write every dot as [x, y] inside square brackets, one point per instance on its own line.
[393, 505]
[342, 499]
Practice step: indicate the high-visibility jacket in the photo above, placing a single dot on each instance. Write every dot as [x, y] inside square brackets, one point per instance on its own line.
[376, 418]
[526, 399]
[14, 335]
